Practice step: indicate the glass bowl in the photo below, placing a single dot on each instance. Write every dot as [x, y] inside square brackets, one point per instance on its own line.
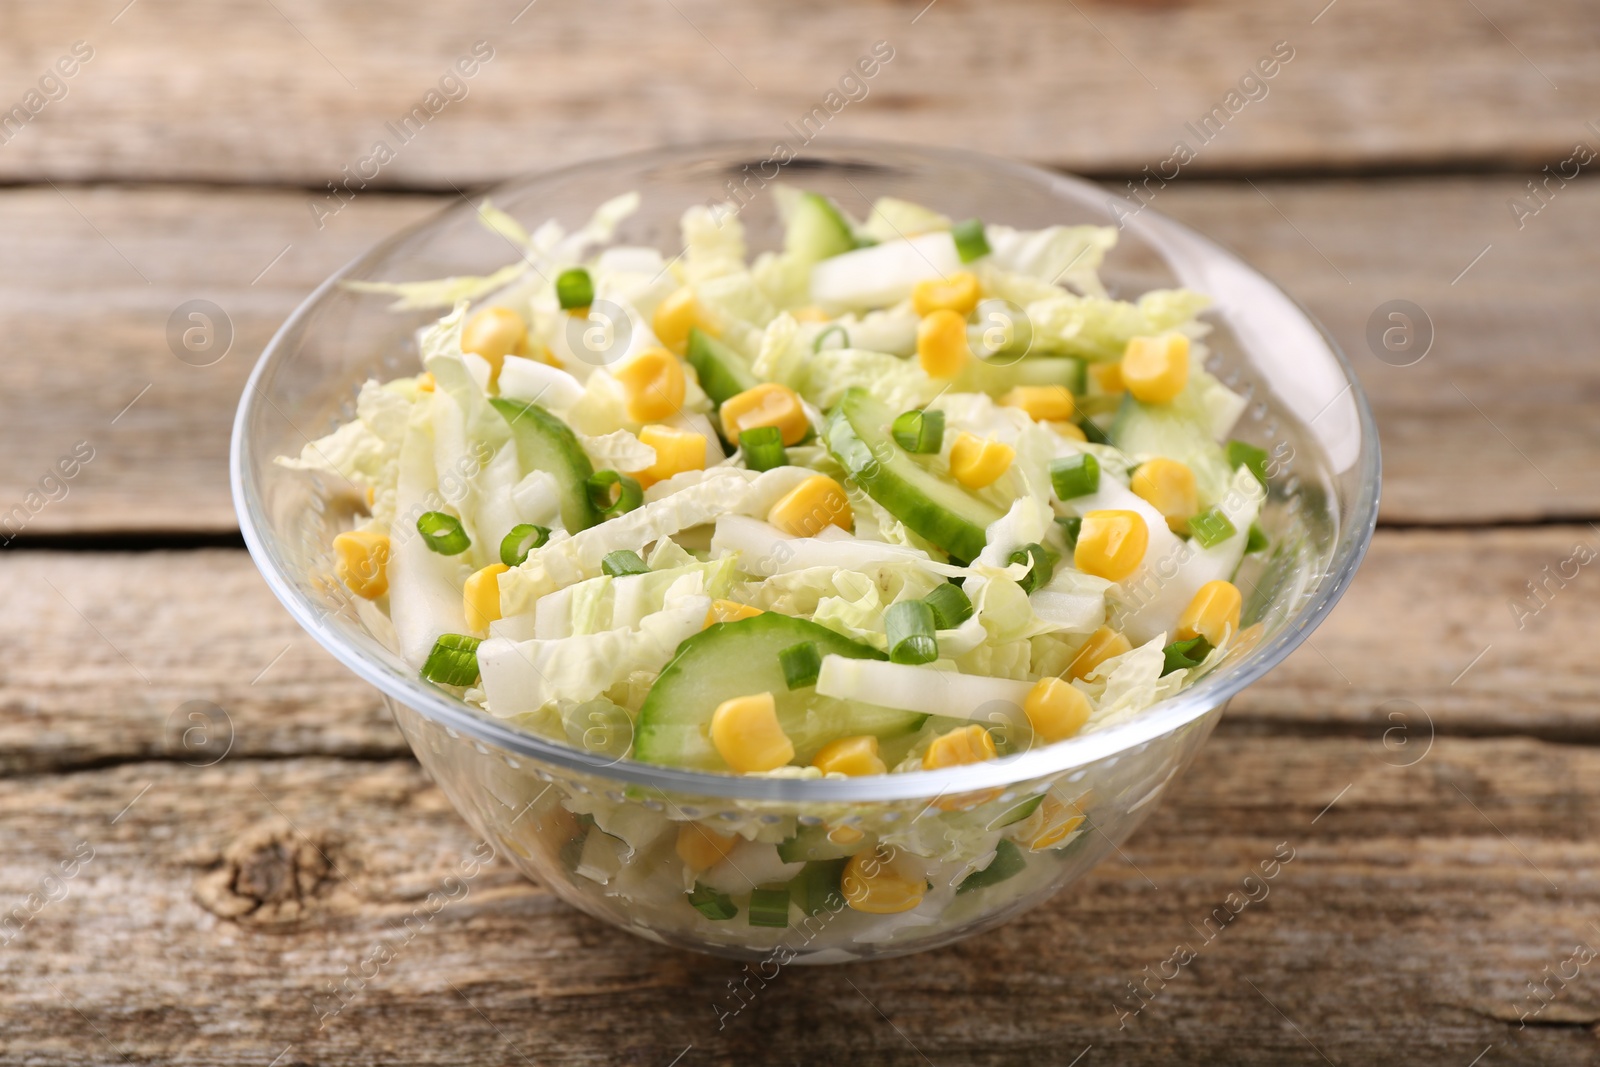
[601, 832]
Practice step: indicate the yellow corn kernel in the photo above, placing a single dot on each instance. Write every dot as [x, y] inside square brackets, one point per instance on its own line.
[1041, 402]
[1055, 709]
[1213, 613]
[425, 382]
[701, 848]
[1056, 821]
[1155, 369]
[810, 313]
[480, 597]
[746, 734]
[767, 404]
[494, 333]
[871, 884]
[362, 562]
[845, 836]
[942, 346]
[1103, 644]
[654, 383]
[1107, 377]
[729, 611]
[812, 506]
[675, 316]
[958, 293]
[964, 744]
[853, 756]
[1069, 429]
[676, 451]
[977, 461]
[1111, 544]
[371, 494]
[1169, 487]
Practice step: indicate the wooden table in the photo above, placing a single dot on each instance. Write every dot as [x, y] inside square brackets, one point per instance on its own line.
[1429, 756]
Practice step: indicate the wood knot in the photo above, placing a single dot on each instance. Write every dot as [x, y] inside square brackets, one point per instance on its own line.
[270, 874]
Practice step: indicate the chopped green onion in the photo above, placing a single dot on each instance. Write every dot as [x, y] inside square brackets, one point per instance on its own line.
[1007, 863]
[1257, 539]
[1070, 525]
[970, 241]
[919, 431]
[910, 629]
[1075, 475]
[816, 346]
[523, 538]
[443, 533]
[623, 562]
[1016, 813]
[801, 663]
[1184, 654]
[713, 905]
[763, 448]
[1211, 527]
[1241, 454]
[817, 888]
[1041, 566]
[1093, 432]
[453, 661]
[613, 494]
[770, 906]
[950, 606]
[574, 288]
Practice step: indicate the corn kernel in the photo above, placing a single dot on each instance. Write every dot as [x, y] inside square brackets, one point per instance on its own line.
[942, 346]
[1056, 821]
[810, 313]
[812, 506]
[767, 404]
[425, 382]
[701, 848]
[494, 333]
[480, 597]
[853, 756]
[676, 451]
[1102, 645]
[371, 495]
[958, 293]
[1111, 544]
[1213, 613]
[1107, 378]
[977, 461]
[746, 734]
[1055, 709]
[845, 836]
[675, 316]
[872, 884]
[654, 383]
[729, 611]
[1069, 429]
[1155, 369]
[1169, 487]
[965, 744]
[363, 562]
[1041, 402]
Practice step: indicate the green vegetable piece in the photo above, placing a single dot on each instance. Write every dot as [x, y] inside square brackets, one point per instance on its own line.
[1257, 538]
[950, 606]
[545, 443]
[1181, 655]
[1093, 432]
[919, 431]
[1041, 566]
[443, 533]
[523, 538]
[453, 661]
[818, 888]
[801, 664]
[713, 905]
[1007, 863]
[763, 448]
[623, 562]
[970, 241]
[1070, 525]
[817, 230]
[844, 337]
[1241, 454]
[721, 370]
[613, 494]
[574, 288]
[910, 628]
[1211, 527]
[769, 906]
[1017, 812]
[813, 843]
[1075, 475]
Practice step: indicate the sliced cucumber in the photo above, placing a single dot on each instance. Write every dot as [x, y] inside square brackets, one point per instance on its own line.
[1162, 430]
[812, 843]
[817, 230]
[858, 434]
[721, 370]
[1007, 863]
[545, 443]
[980, 376]
[734, 659]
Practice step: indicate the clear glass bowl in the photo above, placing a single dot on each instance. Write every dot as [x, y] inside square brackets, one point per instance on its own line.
[601, 833]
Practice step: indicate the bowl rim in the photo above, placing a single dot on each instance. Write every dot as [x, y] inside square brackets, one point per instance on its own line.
[1165, 717]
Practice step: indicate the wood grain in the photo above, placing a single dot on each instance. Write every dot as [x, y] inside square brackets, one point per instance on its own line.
[1406, 925]
[290, 92]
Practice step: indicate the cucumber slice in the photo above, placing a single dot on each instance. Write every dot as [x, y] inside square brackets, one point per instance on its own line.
[858, 435]
[1166, 430]
[811, 843]
[733, 659]
[721, 370]
[545, 443]
[818, 888]
[817, 230]
[1008, 862]
[981, 377]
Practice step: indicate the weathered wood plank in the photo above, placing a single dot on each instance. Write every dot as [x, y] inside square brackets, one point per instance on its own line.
[1406, 925]
[291, 92]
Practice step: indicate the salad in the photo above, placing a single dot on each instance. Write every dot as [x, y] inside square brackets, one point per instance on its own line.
[908, 494]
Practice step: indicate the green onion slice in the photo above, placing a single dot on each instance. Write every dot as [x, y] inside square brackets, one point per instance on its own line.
[453, 661]
[1257, 539]
[970, 241]
[523, 538]
[613, 494]
[443, 533]
[713, 905]
[1075, 475]
[1041, 566]
[801, 663]
[919, 431]
[574, 288]
[763, 448]
[1181, 655]
[769, 906]
[623, 562]
[1070, 525]
[1211, 527]
[1241, 454]
[844, 337]
[950, 606]
[817, 888]
[910, 629]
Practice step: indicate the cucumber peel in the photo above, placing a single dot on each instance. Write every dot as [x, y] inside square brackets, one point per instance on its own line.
[545, 443]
